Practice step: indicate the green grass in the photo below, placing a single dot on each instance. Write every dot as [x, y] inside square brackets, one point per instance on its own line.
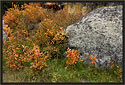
[56, 72]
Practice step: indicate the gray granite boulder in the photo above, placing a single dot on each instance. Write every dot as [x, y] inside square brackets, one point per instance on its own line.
[4, 34]
[99, 33]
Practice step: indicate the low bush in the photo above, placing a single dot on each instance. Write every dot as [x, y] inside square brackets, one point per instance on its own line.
[73, 57]
[50, 37]
[14, 50]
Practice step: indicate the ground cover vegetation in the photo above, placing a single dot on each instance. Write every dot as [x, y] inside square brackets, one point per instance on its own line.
[36, 47]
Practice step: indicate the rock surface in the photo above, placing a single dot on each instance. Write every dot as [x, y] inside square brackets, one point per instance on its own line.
[99, 33]
[4, 34]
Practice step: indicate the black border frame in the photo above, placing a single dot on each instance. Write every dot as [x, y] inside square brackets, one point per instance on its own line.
[1, 38]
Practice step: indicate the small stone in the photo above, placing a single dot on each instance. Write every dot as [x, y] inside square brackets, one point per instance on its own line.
[84, 81]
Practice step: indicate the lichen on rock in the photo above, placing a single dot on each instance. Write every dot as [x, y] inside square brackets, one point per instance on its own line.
[4, 34]
[100, 33]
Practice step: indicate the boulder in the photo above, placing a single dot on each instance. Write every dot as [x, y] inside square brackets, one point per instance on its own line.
[4, 34]
[99, 33]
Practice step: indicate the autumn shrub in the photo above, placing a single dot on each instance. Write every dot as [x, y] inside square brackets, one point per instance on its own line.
[29, 15]
[23, 18]
[13, 48]
[73, 57]
[65, 18]
[20, 52]
[18, 38]
[73, 8]
[50, 37]
[11, 15]
[33, 14]
[15, 60]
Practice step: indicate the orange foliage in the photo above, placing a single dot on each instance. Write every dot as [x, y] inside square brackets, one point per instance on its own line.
[14, 60]
[49, 35]
[33, 13]
[73, 57]
[37, 58]
[11, 14]
[94, 59]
